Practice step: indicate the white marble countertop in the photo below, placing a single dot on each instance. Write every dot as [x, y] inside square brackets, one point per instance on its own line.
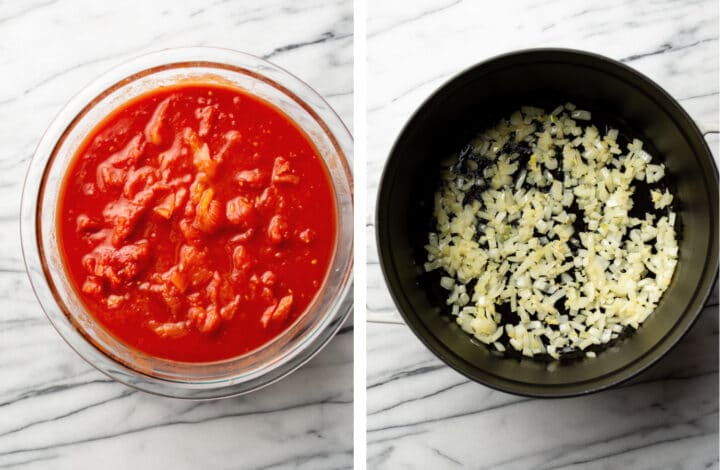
[422, 414]
[58, 412]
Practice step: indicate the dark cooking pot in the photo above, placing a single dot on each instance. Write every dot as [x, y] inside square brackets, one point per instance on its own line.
[617, 96]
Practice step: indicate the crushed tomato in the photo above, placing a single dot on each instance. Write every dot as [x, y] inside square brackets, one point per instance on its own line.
[196, 222]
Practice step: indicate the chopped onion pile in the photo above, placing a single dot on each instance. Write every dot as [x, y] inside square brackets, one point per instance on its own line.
[535, 239]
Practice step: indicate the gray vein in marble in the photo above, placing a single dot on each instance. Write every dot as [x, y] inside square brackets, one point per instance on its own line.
[596, 458]
[126, 393]
[701, 95]
[248, 11]
[120, 396]
[11, 269]
[23, 463]
[298, 462]
[412, 19]
[418, 398]
[324, 37]
[449, 417]
[667, 48]
[447, 457]
[408, 373]
[414, 87]
[18, 14]
[39, 392]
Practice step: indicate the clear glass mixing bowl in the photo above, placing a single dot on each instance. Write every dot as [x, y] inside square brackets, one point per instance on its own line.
[242, 374]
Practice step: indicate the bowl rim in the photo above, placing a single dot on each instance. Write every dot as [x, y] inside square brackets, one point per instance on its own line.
[100, 86]
[447, 356]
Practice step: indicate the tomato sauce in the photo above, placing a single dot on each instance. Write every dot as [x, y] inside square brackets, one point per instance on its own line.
[196, 222]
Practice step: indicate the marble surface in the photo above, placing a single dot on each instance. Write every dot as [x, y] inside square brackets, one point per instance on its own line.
[421, 414]
[55, 410]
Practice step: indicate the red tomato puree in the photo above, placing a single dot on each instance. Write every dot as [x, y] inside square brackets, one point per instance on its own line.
[197, 222]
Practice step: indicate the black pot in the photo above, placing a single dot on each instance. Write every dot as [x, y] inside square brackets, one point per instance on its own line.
[617, 96]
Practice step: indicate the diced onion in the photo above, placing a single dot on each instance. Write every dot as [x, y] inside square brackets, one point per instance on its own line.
[512, 231]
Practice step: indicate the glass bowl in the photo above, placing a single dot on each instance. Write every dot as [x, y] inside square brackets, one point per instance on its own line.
[62, 305]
